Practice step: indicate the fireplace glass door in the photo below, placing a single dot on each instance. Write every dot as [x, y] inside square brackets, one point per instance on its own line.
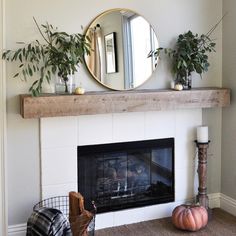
[124, 175]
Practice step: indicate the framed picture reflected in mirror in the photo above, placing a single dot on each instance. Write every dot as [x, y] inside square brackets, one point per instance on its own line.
[111, 53]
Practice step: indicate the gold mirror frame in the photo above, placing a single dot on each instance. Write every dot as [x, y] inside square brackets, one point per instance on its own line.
[115, 61]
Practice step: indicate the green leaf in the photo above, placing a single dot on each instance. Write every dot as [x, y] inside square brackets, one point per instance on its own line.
[34, 83]
[15, 75]
[23, 51]
[47, 78]
[24, 74]
[20, 57]
[30, 71]
[185, 64]
[179, 64]
[34, 68]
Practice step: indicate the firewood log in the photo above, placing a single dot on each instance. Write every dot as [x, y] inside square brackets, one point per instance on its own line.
[80, 224]
[76, 205]
[79, 218]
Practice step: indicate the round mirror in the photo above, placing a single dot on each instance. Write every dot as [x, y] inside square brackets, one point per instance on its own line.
[121, 41]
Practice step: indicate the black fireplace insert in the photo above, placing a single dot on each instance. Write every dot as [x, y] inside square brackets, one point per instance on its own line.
[126, 175]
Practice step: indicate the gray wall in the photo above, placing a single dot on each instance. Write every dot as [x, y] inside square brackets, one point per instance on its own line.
[213, 119]
[169, 18]
[228, 183]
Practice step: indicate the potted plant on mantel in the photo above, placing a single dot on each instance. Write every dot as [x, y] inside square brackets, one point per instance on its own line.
[189, 55]
[59, 55]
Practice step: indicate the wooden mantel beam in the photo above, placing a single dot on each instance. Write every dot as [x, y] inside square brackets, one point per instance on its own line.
[52, 105]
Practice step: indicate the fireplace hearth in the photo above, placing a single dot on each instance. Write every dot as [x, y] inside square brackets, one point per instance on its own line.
[126, 175]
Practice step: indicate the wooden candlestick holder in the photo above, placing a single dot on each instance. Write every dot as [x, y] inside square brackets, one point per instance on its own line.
[202, 197]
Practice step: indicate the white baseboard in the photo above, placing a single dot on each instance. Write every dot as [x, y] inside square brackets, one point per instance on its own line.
[17, 230]
[216, 200]
[228, 204]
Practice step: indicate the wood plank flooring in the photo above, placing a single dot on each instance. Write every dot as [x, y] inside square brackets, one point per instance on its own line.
[221, 224]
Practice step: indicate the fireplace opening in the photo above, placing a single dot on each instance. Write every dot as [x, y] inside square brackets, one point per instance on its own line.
[126, 175]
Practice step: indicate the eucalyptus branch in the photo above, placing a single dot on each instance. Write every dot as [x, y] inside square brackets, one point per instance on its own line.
[60, 54]
[216, 25]
[47, 32]
[190, 54]
[40, 31]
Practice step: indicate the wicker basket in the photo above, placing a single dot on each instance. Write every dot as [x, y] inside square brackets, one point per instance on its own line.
[62, 203]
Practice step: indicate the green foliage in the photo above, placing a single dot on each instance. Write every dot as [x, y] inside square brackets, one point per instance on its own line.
[60, 54]
[190, 55]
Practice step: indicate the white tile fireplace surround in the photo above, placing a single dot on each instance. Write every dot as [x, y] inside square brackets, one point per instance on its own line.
[60, 137]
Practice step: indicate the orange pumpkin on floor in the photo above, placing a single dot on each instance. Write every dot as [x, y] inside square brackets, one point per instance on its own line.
[190, 217]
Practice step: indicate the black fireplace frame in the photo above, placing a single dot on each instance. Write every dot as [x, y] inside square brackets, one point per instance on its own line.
[101, 148]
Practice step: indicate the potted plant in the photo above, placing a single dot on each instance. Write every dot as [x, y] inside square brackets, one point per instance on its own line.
[60, 54]
[190, 54]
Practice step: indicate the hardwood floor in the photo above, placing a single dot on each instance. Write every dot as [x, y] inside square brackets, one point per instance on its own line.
[221, 224]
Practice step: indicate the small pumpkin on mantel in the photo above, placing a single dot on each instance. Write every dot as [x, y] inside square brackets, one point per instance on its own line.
[189, 217]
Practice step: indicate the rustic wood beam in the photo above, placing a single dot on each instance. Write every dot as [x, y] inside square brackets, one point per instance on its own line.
[52, 105]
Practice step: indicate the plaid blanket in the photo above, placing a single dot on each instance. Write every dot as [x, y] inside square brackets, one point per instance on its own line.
[48, 222]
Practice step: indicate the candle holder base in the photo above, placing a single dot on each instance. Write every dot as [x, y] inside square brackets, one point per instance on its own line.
[209, 212]
[202, 197]
[201, 142]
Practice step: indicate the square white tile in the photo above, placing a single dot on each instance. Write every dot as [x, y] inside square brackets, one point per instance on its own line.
[185, 152]
[58, 132]
[104, 220]
[185, 186]
[186, 125]
[143, 214]
[159, 124]
[59, 165]
[58, 190]
[94, 129]
[128, 127]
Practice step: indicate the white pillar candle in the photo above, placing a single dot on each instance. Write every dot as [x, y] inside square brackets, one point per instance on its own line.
[202, 134]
